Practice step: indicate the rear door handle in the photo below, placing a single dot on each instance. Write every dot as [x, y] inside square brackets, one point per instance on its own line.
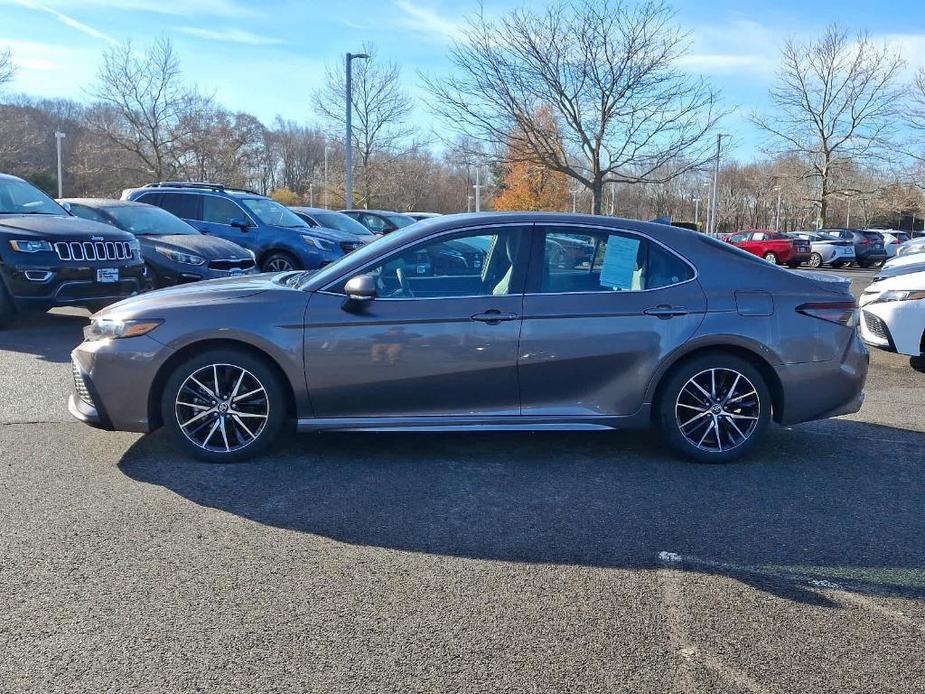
[493, 316]
[666, 312]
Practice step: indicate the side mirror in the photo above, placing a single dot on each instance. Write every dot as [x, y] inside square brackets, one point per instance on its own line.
[361, 288]
[241, 224]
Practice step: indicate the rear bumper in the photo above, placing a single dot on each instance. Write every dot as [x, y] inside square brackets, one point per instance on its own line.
[816, 390]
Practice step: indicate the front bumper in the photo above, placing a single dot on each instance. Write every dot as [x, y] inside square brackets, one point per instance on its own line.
[40, 287]
[119, 376]
[894, 326]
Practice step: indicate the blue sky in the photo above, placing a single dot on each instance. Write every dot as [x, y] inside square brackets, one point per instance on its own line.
[267, 57]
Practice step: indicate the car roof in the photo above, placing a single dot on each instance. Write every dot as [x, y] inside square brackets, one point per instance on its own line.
[312, 210]
[103, 202]
[11, 177]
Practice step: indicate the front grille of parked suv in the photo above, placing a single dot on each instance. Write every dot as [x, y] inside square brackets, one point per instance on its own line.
[80, 385]
[232, 264]
[93, 250]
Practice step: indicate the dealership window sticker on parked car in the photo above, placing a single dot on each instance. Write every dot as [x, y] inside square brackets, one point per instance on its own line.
[619, 267]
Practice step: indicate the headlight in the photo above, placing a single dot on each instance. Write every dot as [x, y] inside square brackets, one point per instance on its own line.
[179, 257]
[318, 243]
[135, 246]
[901, 295]
[108, 329]
[28, 246]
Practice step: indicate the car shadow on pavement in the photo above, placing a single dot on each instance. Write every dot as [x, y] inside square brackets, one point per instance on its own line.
[836, 501]
[49, 336]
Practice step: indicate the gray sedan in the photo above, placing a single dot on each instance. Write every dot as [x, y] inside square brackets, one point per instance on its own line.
[658, 326]
[827, 249]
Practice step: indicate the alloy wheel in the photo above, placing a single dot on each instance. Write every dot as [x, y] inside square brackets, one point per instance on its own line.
[771, 258]
[279, 264]
[717, 410]
[222, 408]
[815, 260]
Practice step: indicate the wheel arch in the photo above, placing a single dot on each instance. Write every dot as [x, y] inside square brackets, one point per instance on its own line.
[749, 353]
[267, 252]
[163, 373]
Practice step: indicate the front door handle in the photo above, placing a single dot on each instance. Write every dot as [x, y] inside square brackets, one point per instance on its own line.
[493, 316]
[664, 311]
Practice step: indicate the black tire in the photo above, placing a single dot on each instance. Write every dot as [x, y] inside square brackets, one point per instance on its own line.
[7, 310]
[815, 260]
[272, 400]
[673, 401]
[150, 281]
[793, 264]
[864, 264]
[771, 257]
[838, 263]
[280, 261]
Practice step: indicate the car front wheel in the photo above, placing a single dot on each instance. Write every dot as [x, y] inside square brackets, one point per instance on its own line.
[714, 408]
[224, 405]
[279, 261]
[771, 258]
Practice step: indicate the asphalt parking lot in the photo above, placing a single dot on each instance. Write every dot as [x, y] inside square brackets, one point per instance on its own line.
[455, 563]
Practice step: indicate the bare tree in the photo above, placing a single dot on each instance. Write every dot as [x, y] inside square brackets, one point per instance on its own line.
[7, 67]
[607, 69]
[380, 110]
[144, 107]
[834, 103]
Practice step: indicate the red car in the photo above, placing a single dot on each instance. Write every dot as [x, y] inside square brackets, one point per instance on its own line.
[773, 246]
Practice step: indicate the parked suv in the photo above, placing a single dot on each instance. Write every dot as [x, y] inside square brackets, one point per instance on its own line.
[278, 238]
[868, 245]
[49, 258]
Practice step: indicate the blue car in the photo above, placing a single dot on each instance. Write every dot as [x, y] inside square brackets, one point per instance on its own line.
[279, 239]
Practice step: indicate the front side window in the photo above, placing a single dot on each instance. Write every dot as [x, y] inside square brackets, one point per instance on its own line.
[601, 261]
[473, 264]
[374, 223]
[218, 210]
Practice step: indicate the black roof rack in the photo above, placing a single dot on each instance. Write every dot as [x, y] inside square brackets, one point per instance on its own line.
[198, 184]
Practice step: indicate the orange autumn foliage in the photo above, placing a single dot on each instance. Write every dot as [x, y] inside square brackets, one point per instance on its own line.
[531, 187]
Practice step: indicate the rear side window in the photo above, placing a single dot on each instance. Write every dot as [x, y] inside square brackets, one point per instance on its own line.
[90, 213]
[601, 261]
[873, 236]
[182, 205]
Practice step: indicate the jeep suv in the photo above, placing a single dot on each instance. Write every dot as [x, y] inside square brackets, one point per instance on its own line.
[278, 238]
[49, 258]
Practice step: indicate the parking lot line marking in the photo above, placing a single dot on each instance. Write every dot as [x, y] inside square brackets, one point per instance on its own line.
[684, 650]
[837, 590]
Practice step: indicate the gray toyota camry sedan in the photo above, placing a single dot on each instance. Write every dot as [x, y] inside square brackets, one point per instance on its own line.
[484, 321]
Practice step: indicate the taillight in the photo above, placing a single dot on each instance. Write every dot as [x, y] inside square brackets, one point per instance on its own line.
[841, 312]
[865, 242]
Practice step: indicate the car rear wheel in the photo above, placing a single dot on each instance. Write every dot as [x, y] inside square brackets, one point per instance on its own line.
[771, 257]
[224, 405]
[714, 408]
[815, 260]
[280, 261]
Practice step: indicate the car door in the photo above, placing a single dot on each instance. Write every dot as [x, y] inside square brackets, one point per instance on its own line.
[430, 344]
[182, 205]
[594, 333]
[224, 218]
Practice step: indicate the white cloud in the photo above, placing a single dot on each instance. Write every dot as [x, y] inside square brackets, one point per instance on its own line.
[427, 21]
[67, 20]
[231, 35]
[749, 49]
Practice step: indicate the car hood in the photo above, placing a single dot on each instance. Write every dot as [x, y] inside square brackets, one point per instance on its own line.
[900, 270]
[43, 226]
[335, 235]
[199, 294]
[208, 247]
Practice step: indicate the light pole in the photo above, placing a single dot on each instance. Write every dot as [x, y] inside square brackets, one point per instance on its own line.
[58, 137]
[848, 218]
[777, 214]
[697, 213]
[711, 224]
[478, 190]
[574, 200]
[468, 202]
[311, 194]
[348, 192]
[326, 176]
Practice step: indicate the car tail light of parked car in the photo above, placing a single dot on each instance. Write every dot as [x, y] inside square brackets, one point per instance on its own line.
[842, 312]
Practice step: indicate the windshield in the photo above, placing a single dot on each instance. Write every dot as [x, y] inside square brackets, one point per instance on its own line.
[149, 221]
[19, 197]
[272, 213]
[341, 222]
[400, 220]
